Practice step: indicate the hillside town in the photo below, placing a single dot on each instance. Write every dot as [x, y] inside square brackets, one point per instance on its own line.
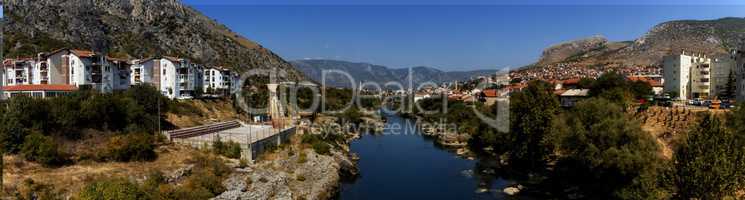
[62, 71]
[695, 79]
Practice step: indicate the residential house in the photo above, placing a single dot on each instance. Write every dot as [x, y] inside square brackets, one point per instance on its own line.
[489, 96]
[653, 81]
[570, 97]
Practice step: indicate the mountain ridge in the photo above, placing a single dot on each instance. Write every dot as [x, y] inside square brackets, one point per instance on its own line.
[132, 29]
[710, 37]
[366, 72]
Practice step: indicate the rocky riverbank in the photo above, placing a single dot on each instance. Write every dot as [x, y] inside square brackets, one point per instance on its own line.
[302, 175]
[298, 170]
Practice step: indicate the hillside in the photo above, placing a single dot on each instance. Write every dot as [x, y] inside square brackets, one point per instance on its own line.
[131, 28]
[711, 37]
[366, 72]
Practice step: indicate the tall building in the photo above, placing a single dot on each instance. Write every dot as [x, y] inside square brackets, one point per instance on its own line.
[217, 81]
[80, 68]
[740, 68]
[159, 72]
[687, 76]
[722, 68]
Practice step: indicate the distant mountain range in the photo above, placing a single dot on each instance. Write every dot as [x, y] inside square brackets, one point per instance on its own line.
[710, 37]
[366, 72]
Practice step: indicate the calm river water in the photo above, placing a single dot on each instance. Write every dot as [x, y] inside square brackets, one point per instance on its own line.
[402, 164]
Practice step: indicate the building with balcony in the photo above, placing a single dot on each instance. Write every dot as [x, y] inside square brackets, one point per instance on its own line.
[217, 81]
[18, 71]
[687, 76]
[189, 75]
[159, 72]
[80, 68]
[122, 70]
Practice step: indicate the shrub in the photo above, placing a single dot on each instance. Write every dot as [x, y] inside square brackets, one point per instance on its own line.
[710, 162]
[318, 143]
[42, 149]
[228, 149]
[112, 189]
[599, 143]
[131, 147]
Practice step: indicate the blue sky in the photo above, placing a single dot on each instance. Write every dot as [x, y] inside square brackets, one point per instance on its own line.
[471, 35]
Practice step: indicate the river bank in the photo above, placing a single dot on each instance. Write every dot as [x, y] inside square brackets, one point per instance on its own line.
[298, 170]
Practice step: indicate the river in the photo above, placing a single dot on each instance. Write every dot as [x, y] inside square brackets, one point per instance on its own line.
[402, 164]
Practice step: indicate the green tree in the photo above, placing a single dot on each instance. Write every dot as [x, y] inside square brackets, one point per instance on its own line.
[710, 162]
[531, 114]
[605, 153]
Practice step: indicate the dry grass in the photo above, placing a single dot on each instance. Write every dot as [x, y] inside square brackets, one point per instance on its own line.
[210, 111]
[73, 178]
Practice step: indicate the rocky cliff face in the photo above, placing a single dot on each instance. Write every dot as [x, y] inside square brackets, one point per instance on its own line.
[565, 50]
[131, 28]
[711, 37]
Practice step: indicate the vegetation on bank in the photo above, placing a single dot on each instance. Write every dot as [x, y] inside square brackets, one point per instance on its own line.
[35, 128]
[597, 150]
[203, 182]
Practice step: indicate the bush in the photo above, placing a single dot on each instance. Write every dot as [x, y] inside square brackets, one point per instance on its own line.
[710, 162]
[112, 189]
[599, 143]
[41, 149]
[130, 147]
[318, 143]
[228, 149]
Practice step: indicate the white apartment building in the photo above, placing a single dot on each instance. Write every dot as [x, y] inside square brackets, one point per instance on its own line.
[18, 71]
[190, 77]
[79, 68]
[159, 72]
[217, 81]
[687, 76]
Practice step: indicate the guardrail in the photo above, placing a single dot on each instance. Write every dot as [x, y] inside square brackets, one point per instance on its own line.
[202, 130]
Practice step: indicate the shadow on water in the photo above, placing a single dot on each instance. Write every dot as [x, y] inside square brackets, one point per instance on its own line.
[404, 164]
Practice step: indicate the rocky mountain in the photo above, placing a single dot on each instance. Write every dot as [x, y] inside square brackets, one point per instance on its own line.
[131, 28]
[710, 37]
[365, 72]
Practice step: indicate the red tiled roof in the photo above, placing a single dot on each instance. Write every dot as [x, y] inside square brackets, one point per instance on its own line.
[40, 88]
[491, 93]
[573, 81]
